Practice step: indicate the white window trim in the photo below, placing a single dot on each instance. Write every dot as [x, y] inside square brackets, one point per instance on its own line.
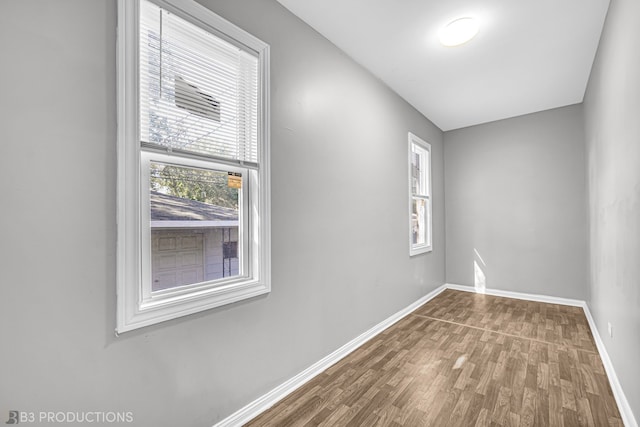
[132, 312]
[415, 249]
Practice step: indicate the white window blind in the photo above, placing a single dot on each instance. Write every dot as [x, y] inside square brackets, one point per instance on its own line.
[198, 92]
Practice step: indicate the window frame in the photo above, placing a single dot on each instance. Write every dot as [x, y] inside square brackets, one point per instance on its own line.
[134, 307]
[427, 246]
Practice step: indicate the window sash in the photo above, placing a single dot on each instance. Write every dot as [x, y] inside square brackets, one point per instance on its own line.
[426, 230]
[420, 170]
[149, 297]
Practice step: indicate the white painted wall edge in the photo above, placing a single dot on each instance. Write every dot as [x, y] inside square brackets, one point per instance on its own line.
[261, 404]
[623, 404]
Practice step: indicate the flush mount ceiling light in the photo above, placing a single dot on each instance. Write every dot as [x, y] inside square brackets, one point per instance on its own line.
[458, 31]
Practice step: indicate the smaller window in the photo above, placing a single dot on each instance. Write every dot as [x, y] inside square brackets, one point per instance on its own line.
[419, 196]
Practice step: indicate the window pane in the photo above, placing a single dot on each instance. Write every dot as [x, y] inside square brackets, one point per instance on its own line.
[194, 225]
[418, 221]
[419, 170]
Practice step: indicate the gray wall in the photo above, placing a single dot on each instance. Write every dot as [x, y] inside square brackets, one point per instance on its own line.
[340, 244]
[516, 193]
[612, 123]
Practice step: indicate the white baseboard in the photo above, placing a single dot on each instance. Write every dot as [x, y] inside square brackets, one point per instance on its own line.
[623, 404]
[518, 295]
[261, 404]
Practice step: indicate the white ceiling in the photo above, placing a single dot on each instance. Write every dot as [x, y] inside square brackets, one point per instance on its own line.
[530, 55]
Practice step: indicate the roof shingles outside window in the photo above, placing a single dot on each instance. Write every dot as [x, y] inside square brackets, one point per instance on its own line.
[171, 208]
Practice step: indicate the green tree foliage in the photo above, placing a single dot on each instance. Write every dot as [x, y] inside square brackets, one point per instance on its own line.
[196, 184]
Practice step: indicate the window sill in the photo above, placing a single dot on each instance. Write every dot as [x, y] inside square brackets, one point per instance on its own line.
[165, 309]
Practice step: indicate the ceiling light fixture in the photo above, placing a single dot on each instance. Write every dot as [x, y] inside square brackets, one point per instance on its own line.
[458, 31]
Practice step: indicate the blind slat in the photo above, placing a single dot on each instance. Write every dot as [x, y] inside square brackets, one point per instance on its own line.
[198, 93]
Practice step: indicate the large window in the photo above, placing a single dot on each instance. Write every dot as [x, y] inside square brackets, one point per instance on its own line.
[419, 196]
[193, 158]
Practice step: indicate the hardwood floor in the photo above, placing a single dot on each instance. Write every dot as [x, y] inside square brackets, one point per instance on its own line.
[463, 359]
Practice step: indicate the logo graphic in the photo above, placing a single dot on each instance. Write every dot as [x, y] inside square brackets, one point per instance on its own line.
[14, 417]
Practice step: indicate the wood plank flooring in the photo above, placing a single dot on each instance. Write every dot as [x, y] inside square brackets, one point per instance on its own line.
[463, 359]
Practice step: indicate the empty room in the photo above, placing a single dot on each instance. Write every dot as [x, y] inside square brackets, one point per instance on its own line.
[320, 213]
